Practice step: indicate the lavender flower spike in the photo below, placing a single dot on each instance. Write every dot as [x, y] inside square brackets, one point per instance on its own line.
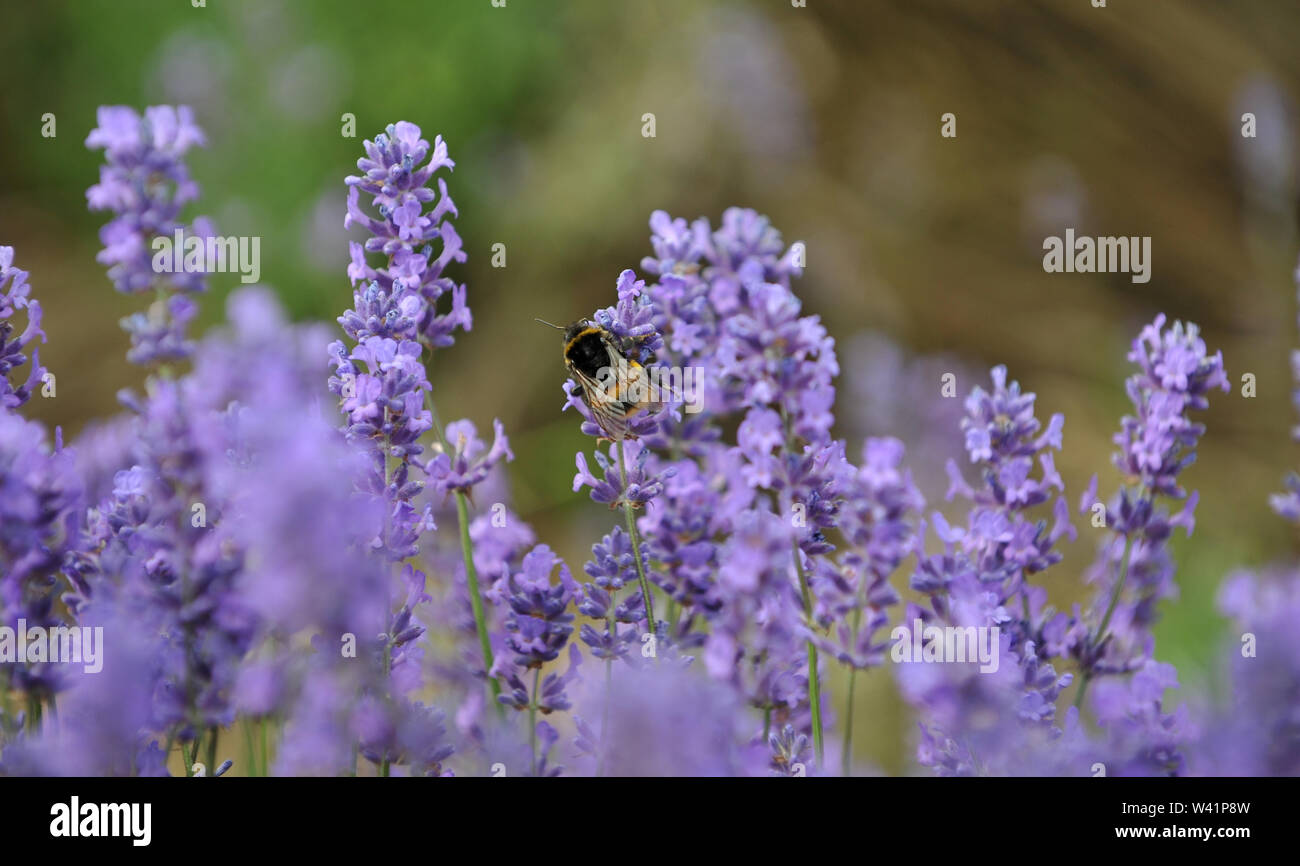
[1175, 375]
[1287, 504]
[394, 321]
[17, 296]
[145, 183]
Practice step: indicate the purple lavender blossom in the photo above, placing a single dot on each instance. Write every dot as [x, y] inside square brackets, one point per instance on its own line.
[1287, 504]
[1004, 441]
[145, 183]
[1135, 570]
[407, 288]
[612, 568]
[791, 752]
[538, 625]
[1258, 732]
[852, 597]
[105, 716]
[40, 497]
[15, 294]
[381, 381]
[682, 528]
[756, 640]
[722, 303]
[642, 486]
[665, 720]
[471, 459]
[500, 539]
[1142, 739]
[251, 559]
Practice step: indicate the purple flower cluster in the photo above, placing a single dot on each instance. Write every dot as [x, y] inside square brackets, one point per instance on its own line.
[145, 183]
[986, 723]
[15, 294]
[1258, 732]
[253, 563]
[1287, 504]
[406, 289]
[723, 528]
[1134, 570]
[40, 495]
[854, 595]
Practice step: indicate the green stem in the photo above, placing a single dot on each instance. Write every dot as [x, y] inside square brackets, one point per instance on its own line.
[249, 749]
[635, 538]
[266, 748]
[388, 667]
[814, 688]
[767, 724]
[846, 757]
[212, 749]
[532, 718]
[33, 714]
[471, 573]
[7, 701]
[1105, 620]
[609, 685]
[476, 597]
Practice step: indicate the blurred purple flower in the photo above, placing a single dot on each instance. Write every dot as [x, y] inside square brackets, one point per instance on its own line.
[15, 294]
[145, 183]
[666, 720]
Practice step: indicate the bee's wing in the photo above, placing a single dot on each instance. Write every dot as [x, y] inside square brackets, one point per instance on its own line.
[621, 391]
[631, 384]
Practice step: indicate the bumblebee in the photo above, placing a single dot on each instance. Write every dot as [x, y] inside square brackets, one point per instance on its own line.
[615, 387]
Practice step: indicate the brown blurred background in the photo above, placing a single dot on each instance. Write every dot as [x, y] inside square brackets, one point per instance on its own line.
[924, 253]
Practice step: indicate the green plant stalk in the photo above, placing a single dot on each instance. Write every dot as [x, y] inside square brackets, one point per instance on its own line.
[388, 669]
[635, 538]
[212, 749]
[266, 749]
[1086, 677]
[609, 686]
[7, 702]
[388, 605]
[476, 597]
[249, 749]
[532, 718]
[471, 573]
[33, 714]
[814, 688]
[846, 758]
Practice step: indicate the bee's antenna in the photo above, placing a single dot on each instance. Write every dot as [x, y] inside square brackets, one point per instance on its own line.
[548, 324]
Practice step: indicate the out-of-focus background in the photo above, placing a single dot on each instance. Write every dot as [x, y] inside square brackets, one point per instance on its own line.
[924, 252]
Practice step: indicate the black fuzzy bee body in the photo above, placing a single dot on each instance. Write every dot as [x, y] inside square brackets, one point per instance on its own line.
[614, 386]
[585, 349]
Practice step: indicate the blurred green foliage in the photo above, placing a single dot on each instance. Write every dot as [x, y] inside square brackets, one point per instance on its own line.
[1117, 121]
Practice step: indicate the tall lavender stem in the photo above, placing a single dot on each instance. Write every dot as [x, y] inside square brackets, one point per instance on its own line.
[1086, 676]
[471, 572]
[846, 753]
[635, 538]
[814, 688]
